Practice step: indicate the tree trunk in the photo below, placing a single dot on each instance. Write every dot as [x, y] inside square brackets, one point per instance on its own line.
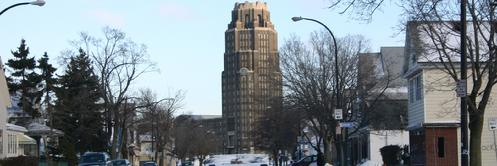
[320, 156]
[475, 129]
[48, 160]
[108, 121]
[124, 147]
[115, 134]
[201, 161]
[327, 150]
[275, 157]
[339, 152]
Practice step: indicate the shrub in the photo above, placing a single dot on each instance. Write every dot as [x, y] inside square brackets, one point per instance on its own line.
[390, 155]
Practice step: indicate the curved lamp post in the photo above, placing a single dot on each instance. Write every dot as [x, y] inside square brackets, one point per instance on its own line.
[37, 2]
[336, 55]
[337, 87]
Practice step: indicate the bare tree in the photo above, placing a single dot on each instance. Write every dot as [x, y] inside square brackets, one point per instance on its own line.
[360, 9]
[118, 63]
[277, 129]
[308, 75]
[157, 119]
[193, 139]
[204, 144]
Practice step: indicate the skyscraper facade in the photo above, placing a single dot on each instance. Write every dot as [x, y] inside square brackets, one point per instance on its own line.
[251, 80]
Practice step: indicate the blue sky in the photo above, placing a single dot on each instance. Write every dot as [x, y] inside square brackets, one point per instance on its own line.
[184, 37]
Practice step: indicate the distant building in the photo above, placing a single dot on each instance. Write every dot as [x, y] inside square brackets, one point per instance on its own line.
[251, 79]
[15, 113]
[145, 151]
[212, 123]
[384, 91]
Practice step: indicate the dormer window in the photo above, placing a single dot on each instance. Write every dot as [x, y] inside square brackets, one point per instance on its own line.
[413, 59]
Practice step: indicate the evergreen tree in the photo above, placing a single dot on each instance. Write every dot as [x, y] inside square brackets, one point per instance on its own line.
[25, 80]
[48, 83]
[77, 112]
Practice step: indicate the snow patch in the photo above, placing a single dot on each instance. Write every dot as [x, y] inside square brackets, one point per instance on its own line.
[239, 159]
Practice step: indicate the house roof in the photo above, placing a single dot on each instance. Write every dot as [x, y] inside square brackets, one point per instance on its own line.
[386, 66]
[13, 127]
[376, 70]
[434, 42]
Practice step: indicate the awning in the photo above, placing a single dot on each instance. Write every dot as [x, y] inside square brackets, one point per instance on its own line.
[25, 140]
[37, 129]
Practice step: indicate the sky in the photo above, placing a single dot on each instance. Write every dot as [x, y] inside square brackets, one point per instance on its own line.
[185, 38]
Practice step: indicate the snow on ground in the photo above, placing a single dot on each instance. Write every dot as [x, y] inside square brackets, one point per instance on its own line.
[370, 163]
[243, 160]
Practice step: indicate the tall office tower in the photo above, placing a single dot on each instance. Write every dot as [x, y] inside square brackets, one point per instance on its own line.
[251, 80]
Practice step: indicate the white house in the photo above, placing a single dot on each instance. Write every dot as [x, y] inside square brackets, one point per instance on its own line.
[13, 141]
[434, 108]
[4, 103]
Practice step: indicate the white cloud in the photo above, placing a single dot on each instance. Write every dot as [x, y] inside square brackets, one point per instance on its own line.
[108, 18]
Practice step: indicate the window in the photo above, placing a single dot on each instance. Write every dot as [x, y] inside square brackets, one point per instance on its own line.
[441, 147]
[413, 59]
[415, 89]
[261, 21]
[8, 143]
[11, 144]
[411, 90]
[230, 140]
[419, 87]
[247, 19]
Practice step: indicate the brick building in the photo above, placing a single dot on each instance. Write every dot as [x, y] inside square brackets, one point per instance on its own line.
[251, 76]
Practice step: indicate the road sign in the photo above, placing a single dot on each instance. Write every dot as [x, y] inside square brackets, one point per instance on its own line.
[346, 124]
[461, 88]
[492, 123]
[338, 114]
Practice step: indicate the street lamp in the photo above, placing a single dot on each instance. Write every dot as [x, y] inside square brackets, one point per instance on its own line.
[336, 55]
[337, 87]
[37, 3]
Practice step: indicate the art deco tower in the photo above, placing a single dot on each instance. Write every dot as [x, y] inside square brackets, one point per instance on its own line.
[251, 79]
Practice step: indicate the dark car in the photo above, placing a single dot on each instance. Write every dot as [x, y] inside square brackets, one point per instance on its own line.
[150, 163]
[306, 161]
[95, 159]
[120, 162]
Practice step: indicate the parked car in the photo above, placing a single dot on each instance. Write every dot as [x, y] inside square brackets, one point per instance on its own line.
[306, 161]
[187, 163]
[150, 163]
[120, 162]
[95, 158]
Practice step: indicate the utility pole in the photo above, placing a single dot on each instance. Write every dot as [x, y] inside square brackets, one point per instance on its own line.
[464, 106]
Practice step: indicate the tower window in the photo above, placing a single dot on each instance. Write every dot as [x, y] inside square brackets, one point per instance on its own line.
[247, 20]
[261, 21]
